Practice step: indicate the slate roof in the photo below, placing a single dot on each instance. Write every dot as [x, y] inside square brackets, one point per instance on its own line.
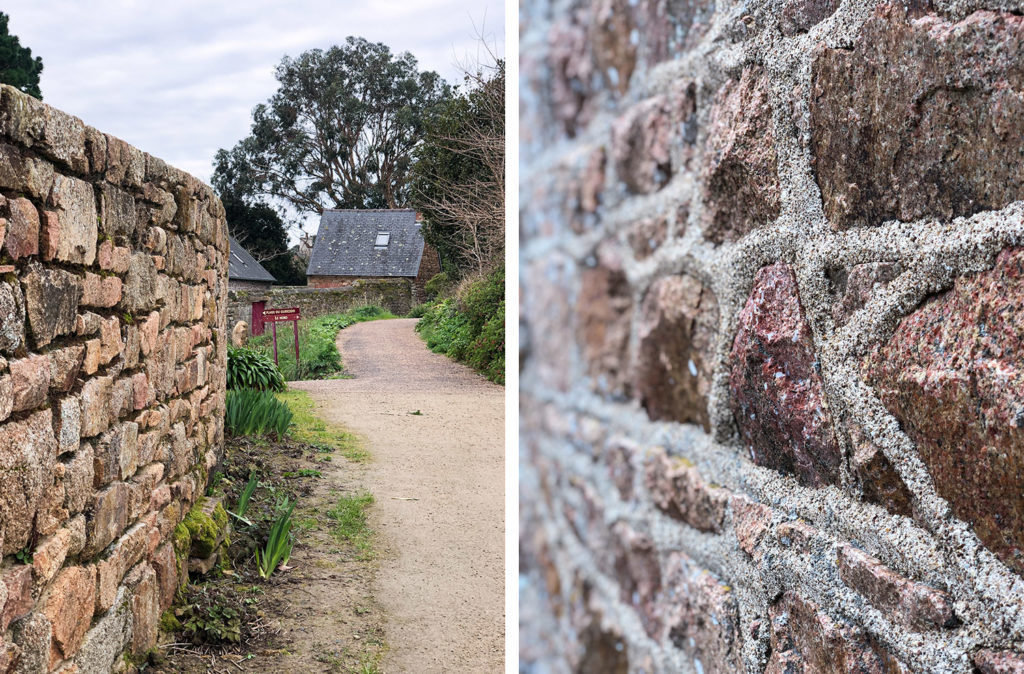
[345, 244]
[243, 267]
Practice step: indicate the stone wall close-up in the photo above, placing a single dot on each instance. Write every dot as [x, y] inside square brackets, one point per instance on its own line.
[113, 289]
[772, 336]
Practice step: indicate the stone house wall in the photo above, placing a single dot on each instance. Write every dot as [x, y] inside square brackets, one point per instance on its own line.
[772, 352]
[394, 294]
[430, 266]
[113, 281]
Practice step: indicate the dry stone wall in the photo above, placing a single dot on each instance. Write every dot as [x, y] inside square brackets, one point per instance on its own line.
[772, 336]
[113, 288]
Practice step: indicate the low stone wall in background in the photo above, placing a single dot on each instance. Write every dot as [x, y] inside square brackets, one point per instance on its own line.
[113, 285]
[395, 295]
[772, 386]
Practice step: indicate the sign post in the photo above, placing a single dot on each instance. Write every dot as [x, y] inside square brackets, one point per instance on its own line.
[275, 316]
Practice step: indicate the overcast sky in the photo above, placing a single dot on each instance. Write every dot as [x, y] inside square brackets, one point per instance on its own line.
[179, 78]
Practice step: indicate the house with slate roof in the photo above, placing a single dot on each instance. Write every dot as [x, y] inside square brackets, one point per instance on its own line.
[244, 272]
[365, 244]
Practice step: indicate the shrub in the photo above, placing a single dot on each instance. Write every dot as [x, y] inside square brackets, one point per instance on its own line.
[252, 412]
[420, 310]
[254, 369]
[471, 326]
[439, 284]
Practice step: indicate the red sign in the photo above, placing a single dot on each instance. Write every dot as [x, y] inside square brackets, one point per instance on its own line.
[277, 315]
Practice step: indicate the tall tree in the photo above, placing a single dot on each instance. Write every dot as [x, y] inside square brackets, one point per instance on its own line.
[459, 173]
[17, 67]
[338, 133]
[261, 230]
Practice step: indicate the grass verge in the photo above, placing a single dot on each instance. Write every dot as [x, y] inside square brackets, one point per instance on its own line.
[470, 327]
[318, 353]
[307, 427]
[350, 522]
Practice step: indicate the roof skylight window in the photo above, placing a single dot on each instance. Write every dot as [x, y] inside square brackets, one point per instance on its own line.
[382, 240]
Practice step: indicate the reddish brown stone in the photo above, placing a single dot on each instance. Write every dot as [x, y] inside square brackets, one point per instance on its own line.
[12, 317]
[145, 612]
[96, 405]
[799, 16]
[951, 374]
[111, 344]
[91, 359]
[123, 555]
[22, 237]
[49, 555]
[106, 519]
[571, 71]
[750, 523]
[69, 609]
[614, 50]
[620, 467]
[911, 604]
[32, 635]
[741, 183]
[18, 583]
[999, 662]
[934, 134]
[796, 534]
[101, 291]
[638, 573]
[702, 616]
[647, 235]
[777, 395]
[64, 367]
[678, 490]
[31, 379]
[669, 28]
[854, 286]
[643, 137]
[640, 141]
[51, 302]
[27, 454]
[878, 478]
[675, 360]
[9, 657]
[165, 565]
[805, 639]
[604, 311]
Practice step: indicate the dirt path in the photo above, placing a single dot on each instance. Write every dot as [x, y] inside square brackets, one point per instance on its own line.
[438, 478]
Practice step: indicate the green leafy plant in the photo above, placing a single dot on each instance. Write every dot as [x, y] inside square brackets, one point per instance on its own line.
[303, 472]
[279, 543]
[209, 615]
[254, 369]
[471, 326]
[420, 310]
[318, 352]
[247, 492]
[251, 412]
[439, 284]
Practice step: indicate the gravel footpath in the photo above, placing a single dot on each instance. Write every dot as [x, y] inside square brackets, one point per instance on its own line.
[438, 479]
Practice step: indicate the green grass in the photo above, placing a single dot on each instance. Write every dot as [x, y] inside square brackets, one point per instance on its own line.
[309, 428]
[350, 522]
[318, 353]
